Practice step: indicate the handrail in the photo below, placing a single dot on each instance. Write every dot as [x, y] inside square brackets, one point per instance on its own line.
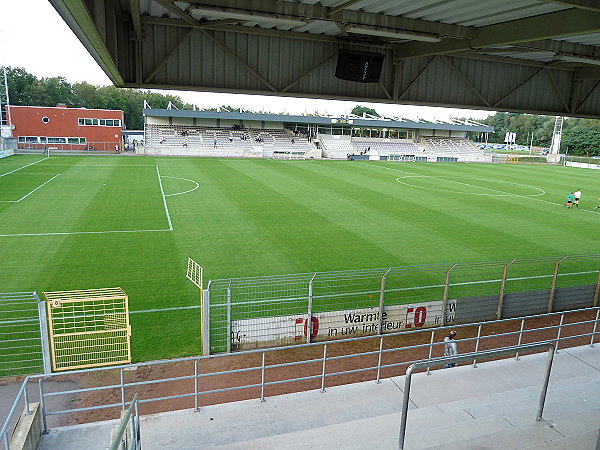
[324, 359]
[437, 362]
[22, 393]
[135, 429]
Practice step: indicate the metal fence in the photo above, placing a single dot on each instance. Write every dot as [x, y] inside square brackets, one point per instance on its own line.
[23, 334]
[187, 382]
[242, 313]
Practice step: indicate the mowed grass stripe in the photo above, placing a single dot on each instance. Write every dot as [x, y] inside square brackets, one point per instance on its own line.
[451, 224]
[334, 219]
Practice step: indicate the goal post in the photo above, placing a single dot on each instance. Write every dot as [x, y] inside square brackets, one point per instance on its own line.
[195, 274]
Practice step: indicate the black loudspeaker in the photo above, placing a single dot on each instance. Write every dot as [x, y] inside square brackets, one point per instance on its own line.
[364, 67]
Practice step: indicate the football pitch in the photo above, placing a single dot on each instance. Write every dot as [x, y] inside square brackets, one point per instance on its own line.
[84, 222]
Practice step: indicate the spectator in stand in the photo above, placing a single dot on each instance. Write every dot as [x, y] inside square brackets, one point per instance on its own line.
[450, 347]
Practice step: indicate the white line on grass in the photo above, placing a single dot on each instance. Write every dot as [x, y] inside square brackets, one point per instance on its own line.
[31, 164]
[184, 192]
[114, 166]
[164, 199]
[501, 193]
[66, 233]
[515, 195]
[40, 186]
[177, 308]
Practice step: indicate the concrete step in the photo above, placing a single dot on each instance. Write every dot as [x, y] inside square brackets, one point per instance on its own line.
[563, 433]
[577, 388]
[379, 433]
[505, 439]
[589, 440]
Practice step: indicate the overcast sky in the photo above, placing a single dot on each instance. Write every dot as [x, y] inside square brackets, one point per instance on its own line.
[33, 36]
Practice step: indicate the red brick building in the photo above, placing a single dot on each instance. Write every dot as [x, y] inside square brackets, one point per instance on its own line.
[67, 128]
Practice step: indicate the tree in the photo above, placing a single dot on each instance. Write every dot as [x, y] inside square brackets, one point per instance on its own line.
[359, 110]
[28, 90]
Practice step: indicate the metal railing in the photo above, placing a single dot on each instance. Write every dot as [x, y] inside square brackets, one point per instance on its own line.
[265, 311]
[128, 435]
[438, 362]
[23, 334]
[325, 365]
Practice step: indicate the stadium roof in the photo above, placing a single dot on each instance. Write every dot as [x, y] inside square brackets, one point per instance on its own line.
[321, 120]
[538, 56]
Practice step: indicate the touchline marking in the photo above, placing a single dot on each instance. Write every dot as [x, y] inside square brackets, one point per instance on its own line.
[66, 233]
[164, 199]
[184, 192]
[514, 195]
[30, 164]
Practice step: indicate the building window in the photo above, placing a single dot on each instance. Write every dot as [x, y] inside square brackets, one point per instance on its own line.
[82, 141]
[43, 139]
[57, 140]
[73, 140]
[100, 122]
[21, 139]
[46, 119]
[31, 139]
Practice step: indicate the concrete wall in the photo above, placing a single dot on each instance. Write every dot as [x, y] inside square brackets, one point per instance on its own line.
[28, 431]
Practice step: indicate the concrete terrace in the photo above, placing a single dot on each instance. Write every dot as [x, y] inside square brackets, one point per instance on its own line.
[492, 406]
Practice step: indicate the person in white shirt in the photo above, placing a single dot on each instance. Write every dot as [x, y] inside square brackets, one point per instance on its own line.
[577, 195]
[450, 347]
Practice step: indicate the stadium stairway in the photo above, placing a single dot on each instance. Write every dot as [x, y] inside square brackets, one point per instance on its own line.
[492, 406]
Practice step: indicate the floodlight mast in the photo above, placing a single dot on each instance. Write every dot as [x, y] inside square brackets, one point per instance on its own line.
[5, 120]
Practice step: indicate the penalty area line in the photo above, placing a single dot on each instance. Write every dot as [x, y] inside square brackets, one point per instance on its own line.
[164, 199]
[39, 187]
[67, 233]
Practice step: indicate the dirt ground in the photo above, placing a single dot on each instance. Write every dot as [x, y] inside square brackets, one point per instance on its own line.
[364, 367]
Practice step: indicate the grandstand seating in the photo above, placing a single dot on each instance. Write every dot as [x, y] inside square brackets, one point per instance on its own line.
[450, 145]
[337, 147]
[184, 140]
[386, 147]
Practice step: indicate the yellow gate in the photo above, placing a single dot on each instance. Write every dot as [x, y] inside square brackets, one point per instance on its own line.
[88, 328]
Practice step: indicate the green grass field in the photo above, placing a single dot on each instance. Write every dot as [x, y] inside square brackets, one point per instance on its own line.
[73, 222]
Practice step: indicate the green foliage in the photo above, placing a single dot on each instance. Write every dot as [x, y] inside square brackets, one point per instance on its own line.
[359, 110]
[580, 136]
[27, 89]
